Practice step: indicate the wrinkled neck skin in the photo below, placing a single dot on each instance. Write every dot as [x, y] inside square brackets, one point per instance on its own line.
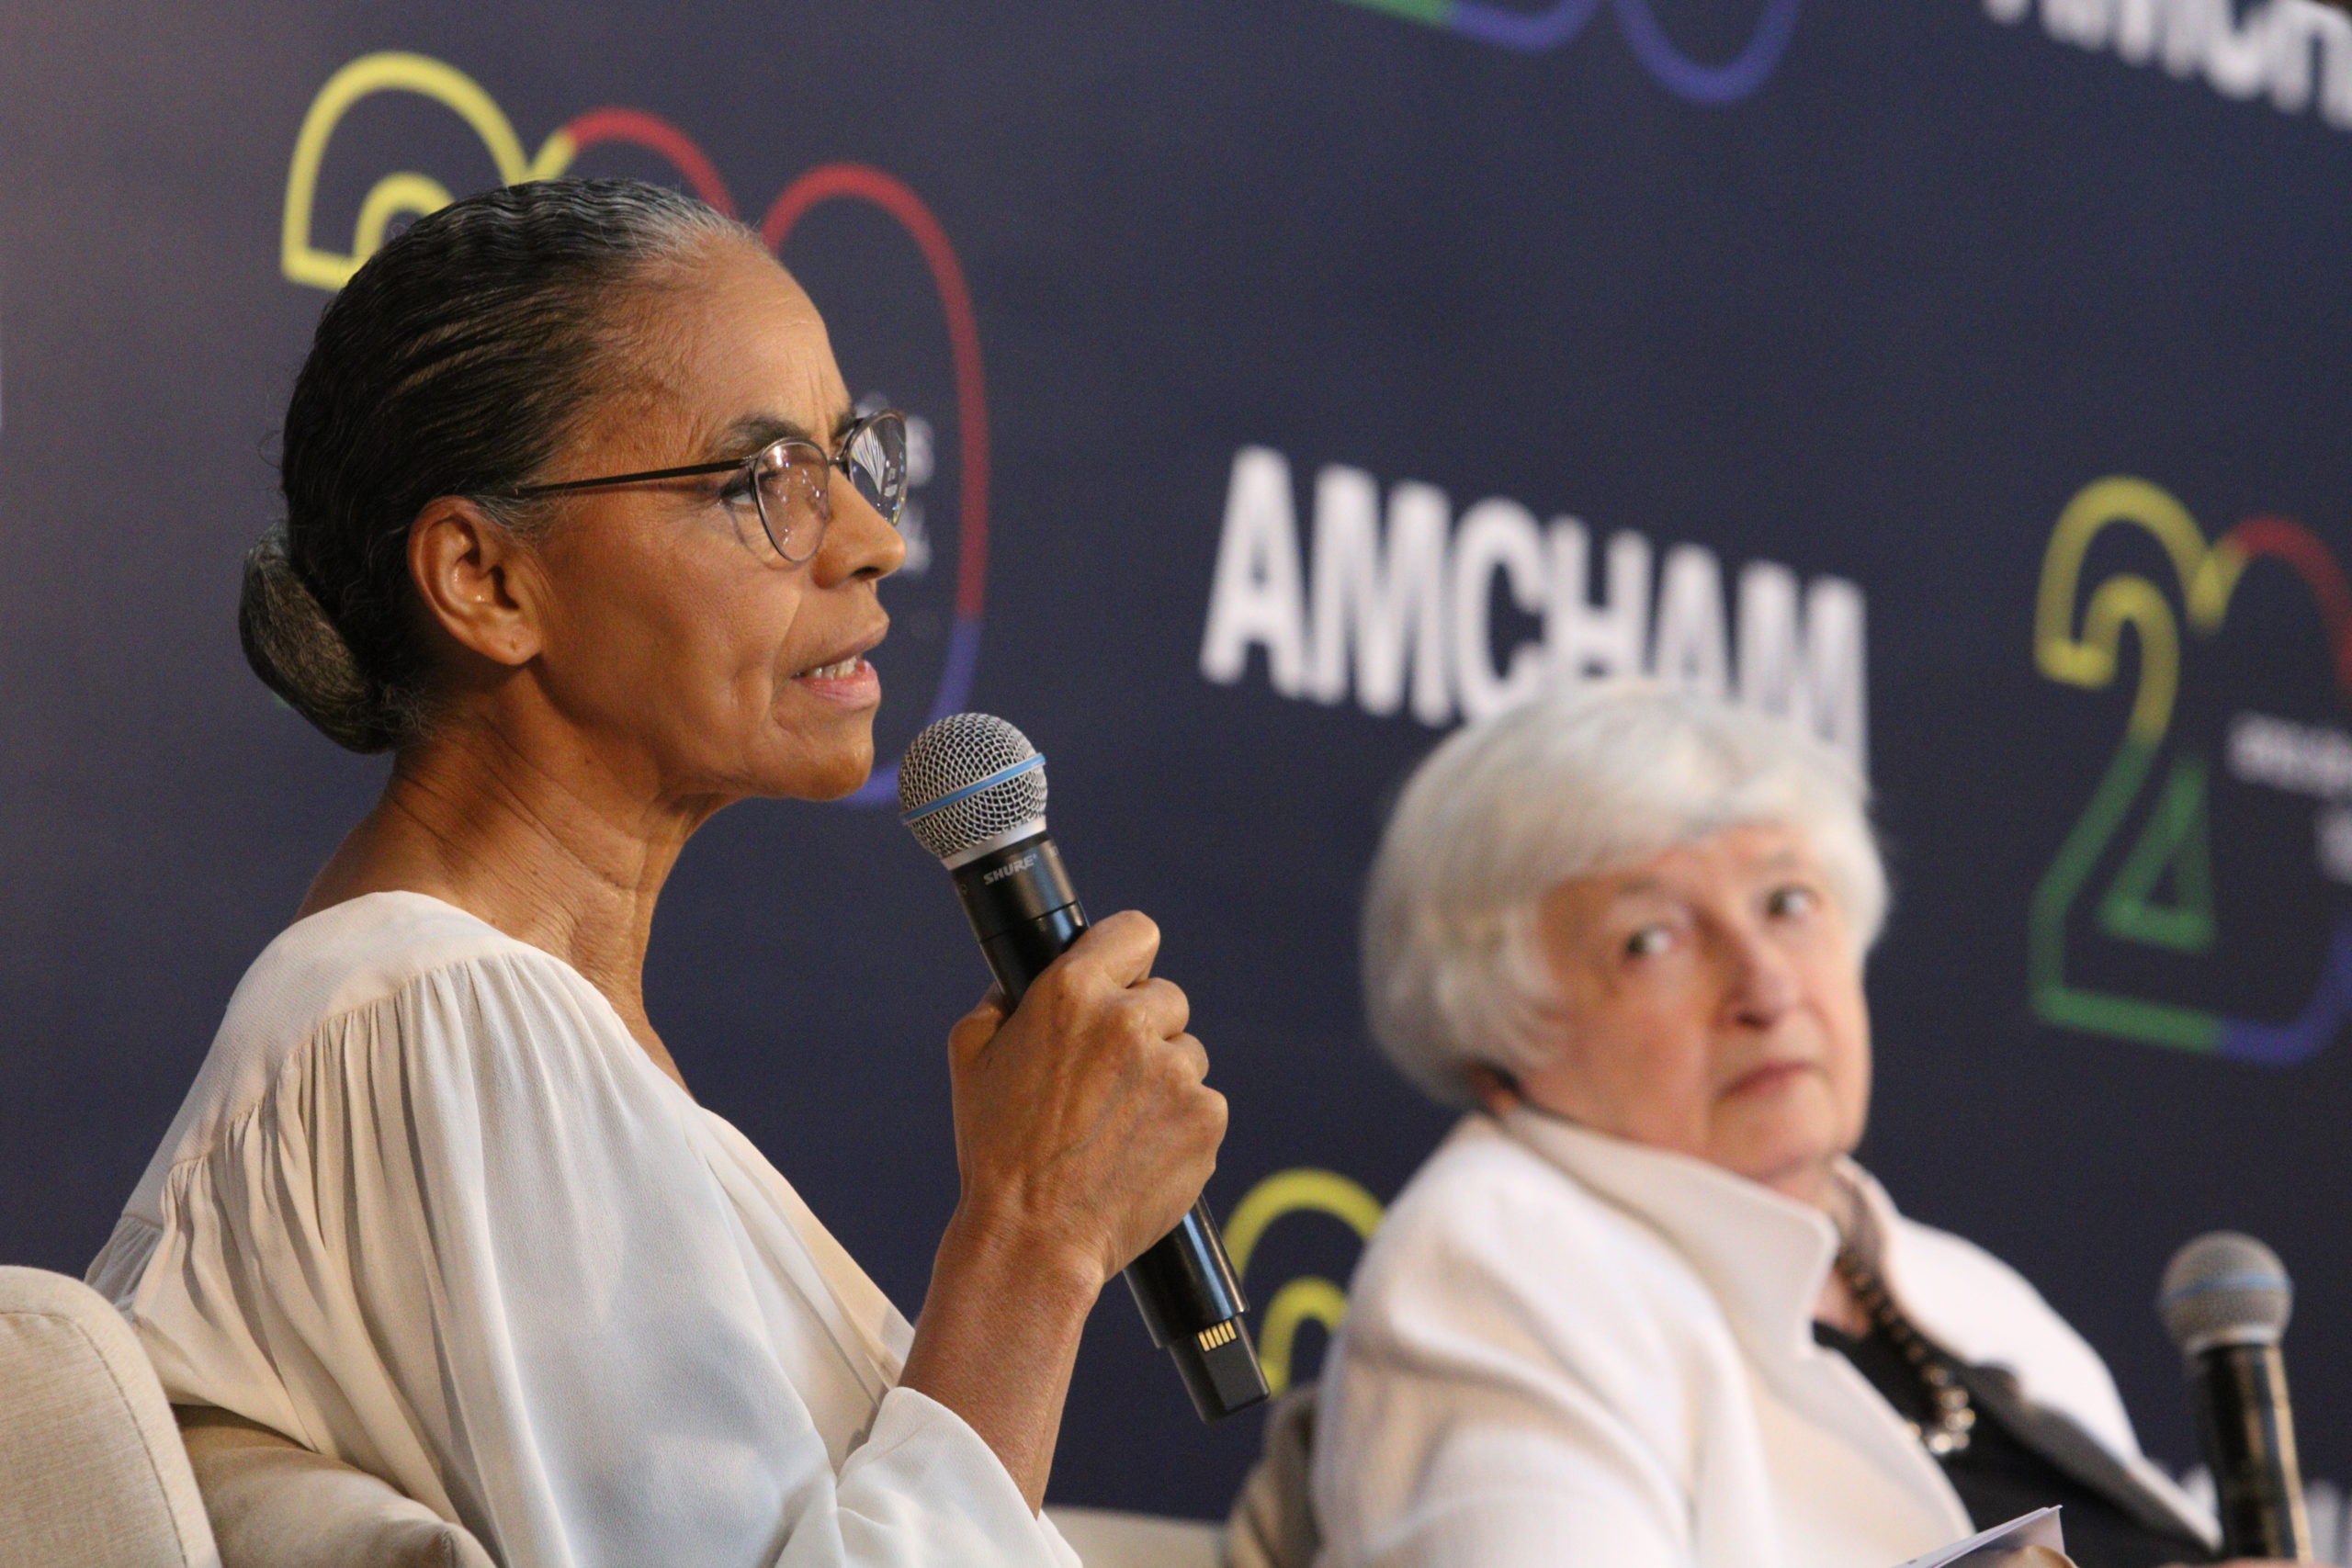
[536, 834]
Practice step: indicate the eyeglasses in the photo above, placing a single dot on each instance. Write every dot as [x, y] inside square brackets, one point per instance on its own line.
[790, 480]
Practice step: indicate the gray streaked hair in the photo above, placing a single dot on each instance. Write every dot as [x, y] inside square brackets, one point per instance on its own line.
[456, 362]
[1578, 781]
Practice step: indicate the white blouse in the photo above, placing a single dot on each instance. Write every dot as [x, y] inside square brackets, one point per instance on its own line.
[1564, 1350]
[431, 1210]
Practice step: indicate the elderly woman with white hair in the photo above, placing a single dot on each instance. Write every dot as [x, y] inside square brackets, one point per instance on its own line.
[1640, 1309]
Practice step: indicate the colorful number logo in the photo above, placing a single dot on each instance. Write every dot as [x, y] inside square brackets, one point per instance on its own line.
[409, 194]
[1562, 21]
[2087, 652]
[1309, 1298]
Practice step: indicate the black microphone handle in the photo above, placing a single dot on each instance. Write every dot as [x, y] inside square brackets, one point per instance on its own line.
[2247, 1430]
[1025, 914]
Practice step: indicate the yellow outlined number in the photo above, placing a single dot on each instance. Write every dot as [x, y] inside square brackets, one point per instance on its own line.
[2175, 836]
[1309, 1298]
[406, 193]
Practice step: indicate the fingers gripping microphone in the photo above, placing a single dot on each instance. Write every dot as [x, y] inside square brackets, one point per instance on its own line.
[2224, 1301]
[973, 790]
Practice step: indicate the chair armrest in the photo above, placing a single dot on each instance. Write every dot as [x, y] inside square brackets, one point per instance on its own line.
[274, 1504]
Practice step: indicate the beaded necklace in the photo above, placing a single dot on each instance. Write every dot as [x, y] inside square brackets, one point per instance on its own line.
[1948, 1432]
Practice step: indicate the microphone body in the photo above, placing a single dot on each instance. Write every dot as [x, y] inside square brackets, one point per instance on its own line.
[1023, 910]
[2225, 1301]
[2247, 1428]
[1025, 914]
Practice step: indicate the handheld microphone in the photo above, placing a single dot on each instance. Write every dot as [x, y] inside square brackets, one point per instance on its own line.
[2225, 1301]
[972, 790]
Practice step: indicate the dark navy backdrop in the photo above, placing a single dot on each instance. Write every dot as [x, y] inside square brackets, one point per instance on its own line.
[1873, 292]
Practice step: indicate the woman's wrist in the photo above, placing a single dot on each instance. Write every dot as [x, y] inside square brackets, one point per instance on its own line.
[998, 1337]
[996, 1244]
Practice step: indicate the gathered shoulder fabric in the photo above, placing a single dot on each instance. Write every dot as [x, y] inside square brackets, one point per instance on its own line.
[430, 1210]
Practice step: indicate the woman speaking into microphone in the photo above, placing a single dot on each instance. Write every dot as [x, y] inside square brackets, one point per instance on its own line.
[582, 528]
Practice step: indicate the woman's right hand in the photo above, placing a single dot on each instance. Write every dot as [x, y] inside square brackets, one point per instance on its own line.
[1083, 1127]
[1083, 1132]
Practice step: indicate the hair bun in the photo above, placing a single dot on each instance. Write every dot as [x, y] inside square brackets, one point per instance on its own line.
[300, 655]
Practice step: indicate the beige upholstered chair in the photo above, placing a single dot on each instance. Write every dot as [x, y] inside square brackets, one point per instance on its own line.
[95, 1473]
[277, 1505]
[92, 1474]
[1106, 1539]
[1273, 1524]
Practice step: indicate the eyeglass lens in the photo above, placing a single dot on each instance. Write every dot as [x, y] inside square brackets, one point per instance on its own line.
[878, 463]
[793, 483]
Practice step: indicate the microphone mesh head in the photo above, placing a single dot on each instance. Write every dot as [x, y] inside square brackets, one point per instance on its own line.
[2224, 1288]
[954, 753]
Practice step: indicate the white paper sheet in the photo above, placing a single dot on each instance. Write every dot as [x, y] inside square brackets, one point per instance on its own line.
[2037, 1528]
